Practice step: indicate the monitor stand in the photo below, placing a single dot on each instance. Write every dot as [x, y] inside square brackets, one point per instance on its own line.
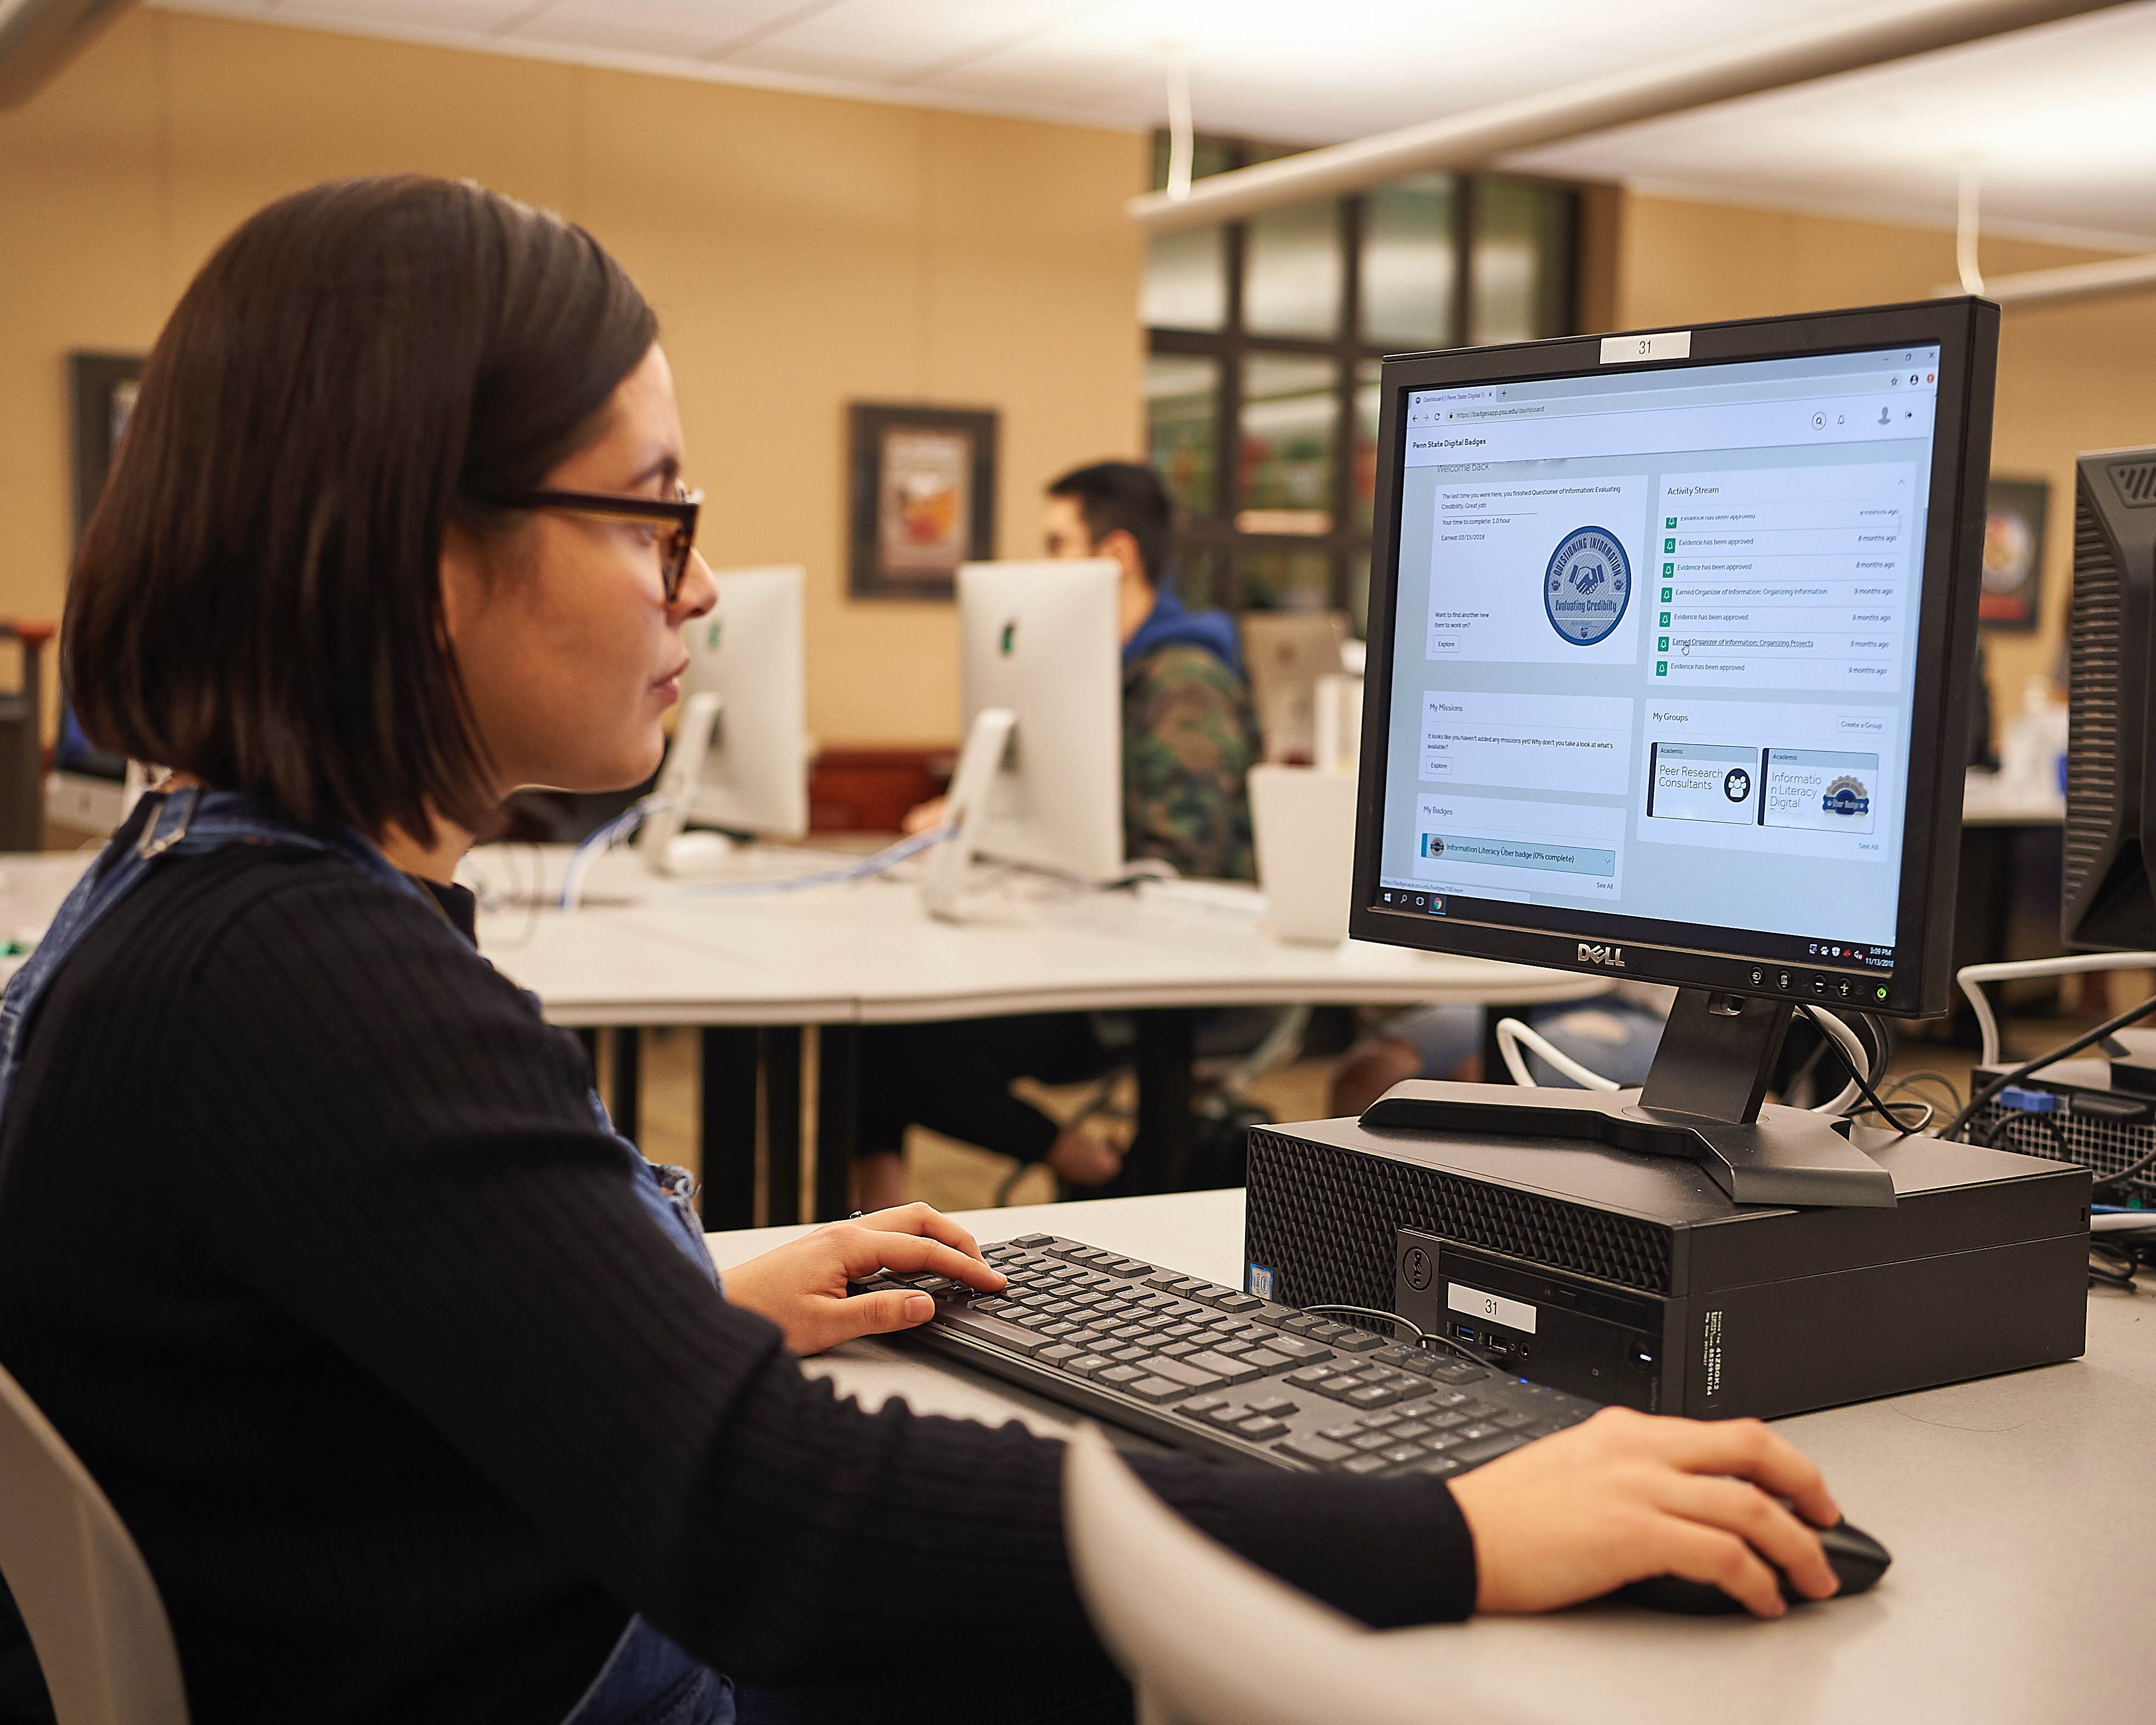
[943, 878]
[1701, 1101]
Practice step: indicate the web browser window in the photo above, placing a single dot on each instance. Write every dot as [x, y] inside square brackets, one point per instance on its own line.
[1654, 649]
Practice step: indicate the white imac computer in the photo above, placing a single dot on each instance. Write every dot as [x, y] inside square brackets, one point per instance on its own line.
[1039, 779]
[739, 759]
[1288, 653]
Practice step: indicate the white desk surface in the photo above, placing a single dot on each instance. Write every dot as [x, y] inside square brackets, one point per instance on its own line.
[1989, 801]
[867, 952]
[2017, 1508]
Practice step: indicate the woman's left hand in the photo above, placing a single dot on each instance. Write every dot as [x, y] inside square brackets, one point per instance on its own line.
[801, 1286]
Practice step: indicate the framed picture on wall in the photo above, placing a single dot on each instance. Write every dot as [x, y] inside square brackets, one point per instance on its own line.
[100, 397]
[922, 485]
[2014, 511]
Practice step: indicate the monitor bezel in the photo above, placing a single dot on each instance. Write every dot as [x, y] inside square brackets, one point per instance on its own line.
[1966, 333]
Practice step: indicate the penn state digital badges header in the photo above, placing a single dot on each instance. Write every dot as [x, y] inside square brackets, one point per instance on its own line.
[1589, 585]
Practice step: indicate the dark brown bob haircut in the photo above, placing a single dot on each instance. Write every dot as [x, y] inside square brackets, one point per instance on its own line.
[258, 599]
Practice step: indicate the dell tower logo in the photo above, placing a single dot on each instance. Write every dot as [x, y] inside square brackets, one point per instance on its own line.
[1610, 957]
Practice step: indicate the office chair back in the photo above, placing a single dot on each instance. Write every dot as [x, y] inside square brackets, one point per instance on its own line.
[85, 1594]
[1207, 1638]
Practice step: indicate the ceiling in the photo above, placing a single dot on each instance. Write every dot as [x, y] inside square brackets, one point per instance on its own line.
[2058, 117]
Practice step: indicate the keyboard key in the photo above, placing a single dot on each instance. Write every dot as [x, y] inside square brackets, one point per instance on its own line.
[1299, 1347]
[1240, 1303]
[1086, 1365]
[1058, 1354]
[1325, 1330]
[1401, 1454]
[1392, 1354]
[1339, 1387]
[1179, 1350]
[1372, 1395]
[1183, 1372]
[1413, 1429]
[1124, 1355]
[1345, 1433]
[1376, 1421]
[1226, 1415]
[1365, 1465]
[1475, 1409]
[1512, 1422]
[1437, 1465]
[1261, 1428]
[1006, 1335]
[1203, 1405]
[1370, 1439]
[1488, 1450]
[1122, 1377]
[1155, 1389]
[1457, 1371]
[1481, 1429]
[1358, 1342]
[1261, 1359]
[1310, 1447]
[1032, 1241]
[1227, 1370]
[1300, 1324]
[1309, 1377]
[1273, 1405]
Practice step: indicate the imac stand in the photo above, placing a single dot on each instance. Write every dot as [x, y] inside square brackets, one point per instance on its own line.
[942, 883]
[1702, 1101]
[677, 781]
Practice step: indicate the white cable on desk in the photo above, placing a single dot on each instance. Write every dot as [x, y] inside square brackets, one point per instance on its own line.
[1512, 1033]
[1972, 977]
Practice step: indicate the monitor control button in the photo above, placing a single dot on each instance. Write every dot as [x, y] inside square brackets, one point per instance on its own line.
[1759, 976]
[1819, 985]
[1843, 989]
[1782, 979]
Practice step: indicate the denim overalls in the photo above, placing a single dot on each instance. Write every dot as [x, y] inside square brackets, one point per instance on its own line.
[646, 1680]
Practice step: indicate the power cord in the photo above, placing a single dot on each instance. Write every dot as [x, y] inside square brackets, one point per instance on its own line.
[2132, 1014]
[1423, 1339]
[1863, 1078]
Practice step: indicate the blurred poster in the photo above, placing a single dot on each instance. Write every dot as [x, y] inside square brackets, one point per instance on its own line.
[923, 490]
[2014, 511]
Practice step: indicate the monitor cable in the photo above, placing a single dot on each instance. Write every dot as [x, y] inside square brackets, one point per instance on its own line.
[1978, 1098]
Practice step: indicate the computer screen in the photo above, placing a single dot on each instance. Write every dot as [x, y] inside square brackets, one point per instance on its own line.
[1669, 652]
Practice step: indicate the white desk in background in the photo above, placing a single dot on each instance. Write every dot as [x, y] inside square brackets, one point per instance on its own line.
[2017, 1509]
[753, 972]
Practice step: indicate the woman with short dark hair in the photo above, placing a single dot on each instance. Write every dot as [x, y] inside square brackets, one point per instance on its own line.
[412, 1382]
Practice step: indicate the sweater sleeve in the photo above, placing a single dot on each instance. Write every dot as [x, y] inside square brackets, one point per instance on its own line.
[452, 1221]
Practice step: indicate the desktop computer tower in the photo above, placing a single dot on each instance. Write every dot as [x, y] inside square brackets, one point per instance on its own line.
[1634, 1279]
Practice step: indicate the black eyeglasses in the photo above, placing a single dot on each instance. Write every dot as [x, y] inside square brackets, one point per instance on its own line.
[680, 511]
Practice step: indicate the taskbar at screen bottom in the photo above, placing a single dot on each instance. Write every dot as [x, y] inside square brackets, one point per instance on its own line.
[1766, 949]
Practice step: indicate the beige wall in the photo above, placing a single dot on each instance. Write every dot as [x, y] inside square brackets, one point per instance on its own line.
[802, 252]
[2071, 378]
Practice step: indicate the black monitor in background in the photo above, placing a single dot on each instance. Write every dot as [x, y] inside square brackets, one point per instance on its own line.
[1671, 641]
[2111, 802]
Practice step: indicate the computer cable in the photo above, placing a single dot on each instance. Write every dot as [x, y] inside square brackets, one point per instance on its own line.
[2132, 1014]
[1916, 1080]
[1860, 1072]
[889, 857]
[1423, 1339]
[1512, 1033]
[1999, 1129]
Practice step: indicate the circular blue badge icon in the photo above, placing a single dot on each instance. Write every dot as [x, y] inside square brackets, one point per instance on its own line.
[1589, 585]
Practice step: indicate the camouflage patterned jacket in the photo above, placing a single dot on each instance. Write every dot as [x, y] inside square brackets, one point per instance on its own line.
[1189, 736]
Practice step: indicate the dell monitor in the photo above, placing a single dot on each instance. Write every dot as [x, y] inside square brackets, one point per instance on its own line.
[1039, 776]
[1671, 636]
[2110, 801]
[749, 652]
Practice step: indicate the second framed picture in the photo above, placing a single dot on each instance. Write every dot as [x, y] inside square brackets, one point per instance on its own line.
[921, 486]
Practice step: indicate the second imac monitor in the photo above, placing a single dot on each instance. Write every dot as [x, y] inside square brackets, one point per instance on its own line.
[749, 653]
[1039, 778]
[1672, 637]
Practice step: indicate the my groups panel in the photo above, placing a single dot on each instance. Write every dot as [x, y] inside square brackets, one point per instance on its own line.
[1674, 610]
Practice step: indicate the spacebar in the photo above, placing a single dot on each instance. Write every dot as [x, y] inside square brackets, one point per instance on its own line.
[982, 1328]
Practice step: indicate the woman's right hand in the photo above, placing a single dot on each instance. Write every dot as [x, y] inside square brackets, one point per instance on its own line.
[1625, 1496]
[926, 817]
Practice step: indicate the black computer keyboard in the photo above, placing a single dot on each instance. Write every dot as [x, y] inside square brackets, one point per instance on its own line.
[1205, 1368]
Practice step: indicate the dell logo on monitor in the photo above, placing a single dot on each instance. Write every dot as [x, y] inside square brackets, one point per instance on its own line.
[1610, 957]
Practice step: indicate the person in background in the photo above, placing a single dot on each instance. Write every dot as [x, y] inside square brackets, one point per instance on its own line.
[1190, 737]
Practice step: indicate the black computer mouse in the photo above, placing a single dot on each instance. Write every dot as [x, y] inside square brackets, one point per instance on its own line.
[1858, 1560]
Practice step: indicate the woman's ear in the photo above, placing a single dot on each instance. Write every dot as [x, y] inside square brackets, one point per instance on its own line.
[464, 586]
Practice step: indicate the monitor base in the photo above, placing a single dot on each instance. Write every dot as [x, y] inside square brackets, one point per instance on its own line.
[1702, 1101]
